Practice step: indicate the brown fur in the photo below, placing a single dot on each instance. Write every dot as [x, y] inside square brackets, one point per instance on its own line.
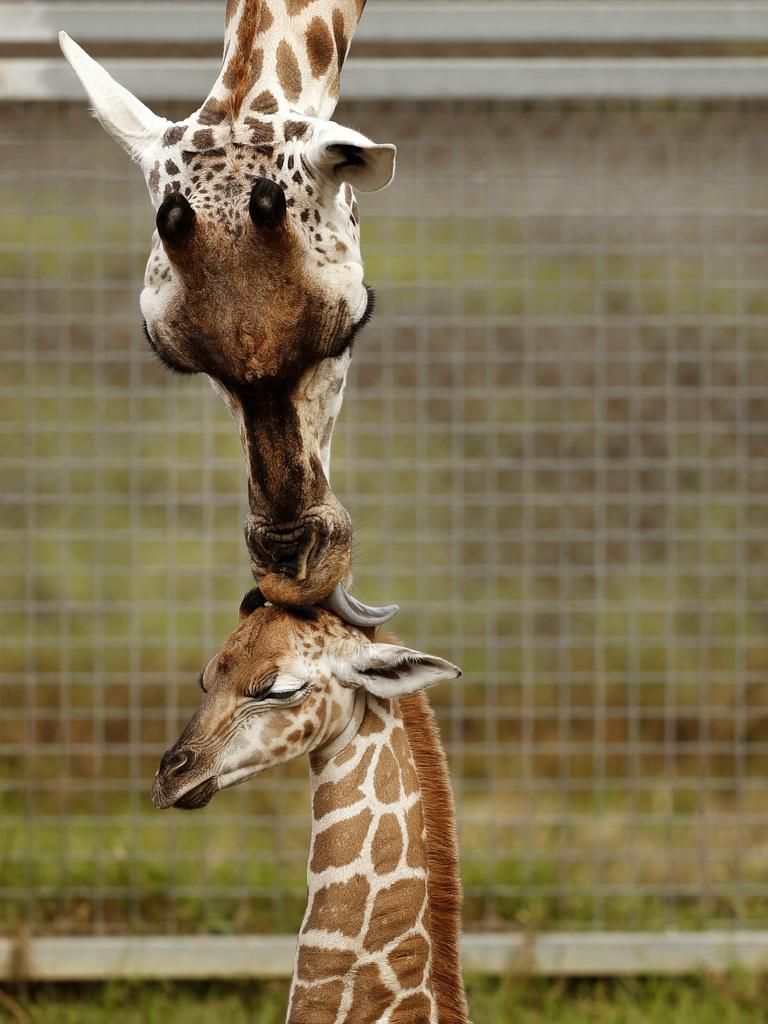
[245, 66]
[320, 47]
[444, 884]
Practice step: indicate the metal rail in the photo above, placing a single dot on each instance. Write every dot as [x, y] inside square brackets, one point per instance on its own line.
[565, 954]
[421, 78]
[571, 21]
[413, 79]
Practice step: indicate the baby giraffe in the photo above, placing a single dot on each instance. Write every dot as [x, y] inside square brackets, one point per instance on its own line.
[380, 939]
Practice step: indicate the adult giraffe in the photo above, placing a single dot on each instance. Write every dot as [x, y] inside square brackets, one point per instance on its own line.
[255, 275]
[380, 938]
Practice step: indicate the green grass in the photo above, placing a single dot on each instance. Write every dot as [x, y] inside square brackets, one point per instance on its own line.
[654, 1001]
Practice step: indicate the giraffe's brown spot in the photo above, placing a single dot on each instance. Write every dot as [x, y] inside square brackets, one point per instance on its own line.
[203, 139]
[288, 72]
[414, 826]
[297, 6]
[319, 46]
[387, 845]
[173, 134]
[370, 997]
[342, 43]
[332, 795]
[279, 751]
[409, 960]
[316, 1003]
[153, 181]
[386, 780]
[295, 130]
[214, 112]
[261, 131]
[245, 66]
[171, 167]
[231, 8]
[293, 736]
[413, 1009]
[277, 727]
[402, 751]
[265, 103]
[315, 963]
[341, 843]
[340, 907]
[371, 722]
[241, 75]
[265, 19]
[396, 910]
[345, 755]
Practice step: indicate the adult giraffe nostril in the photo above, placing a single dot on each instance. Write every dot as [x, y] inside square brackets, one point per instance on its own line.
[267, 204]
[177, 760]
[175, 219]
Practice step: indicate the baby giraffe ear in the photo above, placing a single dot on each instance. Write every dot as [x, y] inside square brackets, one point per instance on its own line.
[346, 155]
[389, 671]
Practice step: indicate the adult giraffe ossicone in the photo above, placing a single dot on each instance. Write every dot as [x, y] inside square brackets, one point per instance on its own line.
[380, 937]
[255, 276]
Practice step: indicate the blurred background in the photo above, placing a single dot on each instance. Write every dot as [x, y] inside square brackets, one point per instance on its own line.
[554, 448]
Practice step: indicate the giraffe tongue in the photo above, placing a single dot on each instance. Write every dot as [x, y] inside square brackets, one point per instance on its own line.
[355, 612]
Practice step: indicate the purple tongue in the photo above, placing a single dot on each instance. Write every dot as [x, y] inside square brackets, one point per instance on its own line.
[355, 612]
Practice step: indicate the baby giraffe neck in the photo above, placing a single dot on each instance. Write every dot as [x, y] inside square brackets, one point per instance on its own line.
[365, 947]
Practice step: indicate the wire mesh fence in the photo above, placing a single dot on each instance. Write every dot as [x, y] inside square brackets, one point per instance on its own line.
[554, 447]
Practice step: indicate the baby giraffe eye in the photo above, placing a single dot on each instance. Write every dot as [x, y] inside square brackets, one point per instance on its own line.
[275, 687]
[259, 688]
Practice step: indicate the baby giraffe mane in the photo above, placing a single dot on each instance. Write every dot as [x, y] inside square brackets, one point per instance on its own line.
[443, 882]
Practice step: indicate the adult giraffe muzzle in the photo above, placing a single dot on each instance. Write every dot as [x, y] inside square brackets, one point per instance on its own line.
[255, 276]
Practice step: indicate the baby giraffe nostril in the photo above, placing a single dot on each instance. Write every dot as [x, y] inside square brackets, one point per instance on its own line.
[175, 761]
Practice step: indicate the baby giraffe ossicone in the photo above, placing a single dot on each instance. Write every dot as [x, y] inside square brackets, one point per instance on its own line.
[380, 939]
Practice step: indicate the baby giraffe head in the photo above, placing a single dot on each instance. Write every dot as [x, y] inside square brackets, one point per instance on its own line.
[287, 682]
[255, 276]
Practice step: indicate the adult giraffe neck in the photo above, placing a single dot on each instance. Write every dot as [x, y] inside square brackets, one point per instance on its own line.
[287, 52]
[377, 889]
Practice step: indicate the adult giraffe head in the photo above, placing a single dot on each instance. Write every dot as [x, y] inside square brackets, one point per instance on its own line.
[255, 275]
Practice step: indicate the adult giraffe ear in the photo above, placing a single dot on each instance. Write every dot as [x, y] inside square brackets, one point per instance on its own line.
[346, 155]
[126, 119]
[387, 670]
